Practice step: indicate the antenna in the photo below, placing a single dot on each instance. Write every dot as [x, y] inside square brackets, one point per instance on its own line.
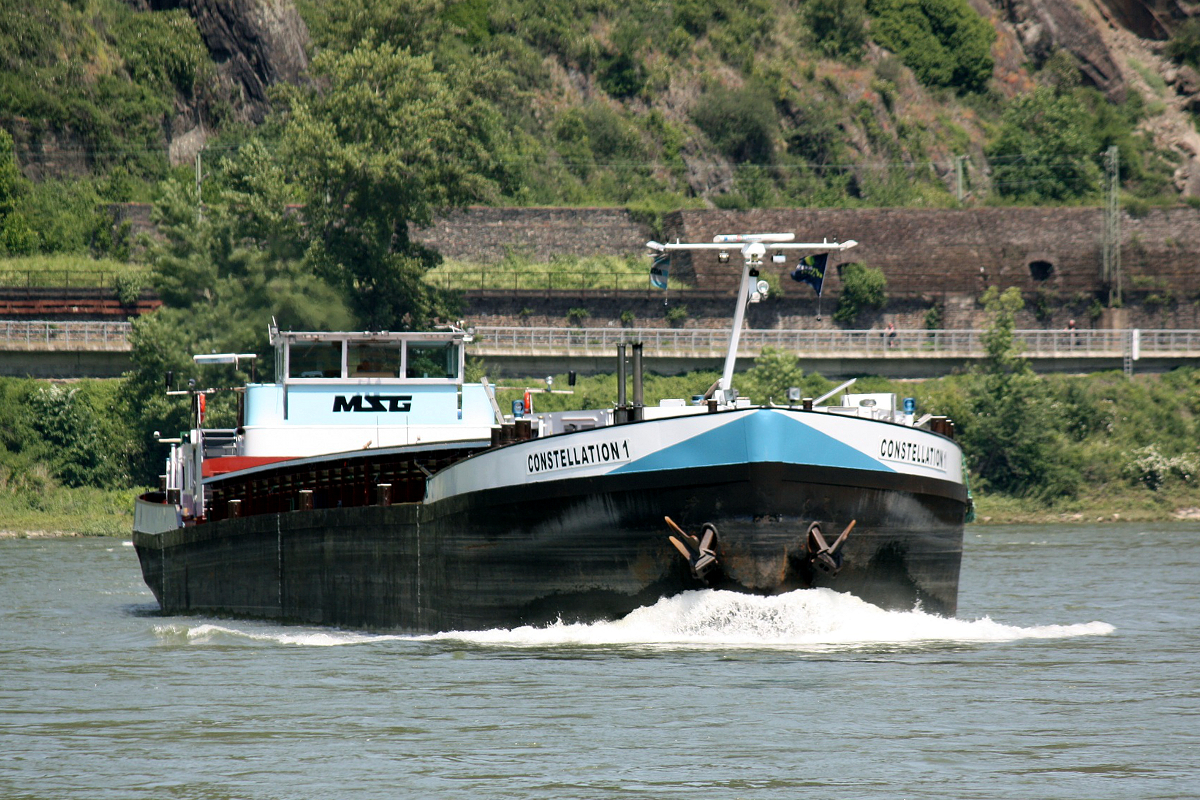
[754, 247]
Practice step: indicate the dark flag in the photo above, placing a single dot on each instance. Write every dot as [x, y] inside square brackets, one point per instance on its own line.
[659, 270]
[811, 270]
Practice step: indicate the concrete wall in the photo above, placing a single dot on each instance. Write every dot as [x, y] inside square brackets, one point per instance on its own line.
[64, 364]
[485, 235]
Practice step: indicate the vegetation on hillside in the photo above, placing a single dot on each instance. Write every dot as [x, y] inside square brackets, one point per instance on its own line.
[102, 72]
[591, 101]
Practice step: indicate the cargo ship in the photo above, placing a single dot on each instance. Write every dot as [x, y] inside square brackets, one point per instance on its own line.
[371, 486]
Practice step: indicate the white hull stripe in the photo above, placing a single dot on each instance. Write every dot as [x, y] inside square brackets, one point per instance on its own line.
[763, 437]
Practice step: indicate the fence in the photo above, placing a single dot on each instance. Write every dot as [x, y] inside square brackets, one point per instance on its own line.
[67, 278]
[700, 342]
[42, 335]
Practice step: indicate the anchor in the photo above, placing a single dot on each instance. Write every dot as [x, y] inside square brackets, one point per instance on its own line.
[822, 555]
[701, 554]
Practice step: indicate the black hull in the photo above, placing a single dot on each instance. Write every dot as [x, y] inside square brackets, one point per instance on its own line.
[576, 550]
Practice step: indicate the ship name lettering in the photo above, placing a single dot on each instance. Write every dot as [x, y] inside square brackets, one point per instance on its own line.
[913, 453]
[577, 456]
[366, 403]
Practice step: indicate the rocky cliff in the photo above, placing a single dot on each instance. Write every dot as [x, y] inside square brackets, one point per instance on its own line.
[254, 44]
[1118, 46]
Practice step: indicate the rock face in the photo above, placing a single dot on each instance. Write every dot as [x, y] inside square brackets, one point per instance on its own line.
[1044, 26]
[1149, 19]
[254, 44]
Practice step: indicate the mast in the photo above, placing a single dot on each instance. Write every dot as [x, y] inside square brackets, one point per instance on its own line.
[753, 247]
[739, 316]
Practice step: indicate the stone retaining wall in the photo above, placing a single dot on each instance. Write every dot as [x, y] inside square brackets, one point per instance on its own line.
[943, 257]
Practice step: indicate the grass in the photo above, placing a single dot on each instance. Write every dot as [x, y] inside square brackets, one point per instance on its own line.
[1113, 502]
[62, 510]
[1156, 82]
[517, 272]
[64, 270]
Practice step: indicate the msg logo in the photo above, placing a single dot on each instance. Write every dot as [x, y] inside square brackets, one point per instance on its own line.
[372, 402]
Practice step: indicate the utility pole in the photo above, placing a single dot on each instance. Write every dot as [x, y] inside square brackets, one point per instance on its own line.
[1111, 268]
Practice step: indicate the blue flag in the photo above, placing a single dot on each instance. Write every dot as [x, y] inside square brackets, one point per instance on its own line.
[811, 270]
[659, 270]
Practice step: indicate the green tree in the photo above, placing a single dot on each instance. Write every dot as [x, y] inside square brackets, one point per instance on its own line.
[774, 372]
[223, 277]
[1045, 148]
[944, 42]
[383, 143]
[863, 289]
[1010, 433]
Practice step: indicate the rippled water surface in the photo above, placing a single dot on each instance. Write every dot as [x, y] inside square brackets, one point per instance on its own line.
[1071, 672]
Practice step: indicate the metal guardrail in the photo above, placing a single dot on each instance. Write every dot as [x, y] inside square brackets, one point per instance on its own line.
[44, 335]
[701, 342]
[833, 343]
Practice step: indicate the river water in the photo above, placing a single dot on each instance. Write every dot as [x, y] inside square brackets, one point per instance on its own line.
[1071, 672]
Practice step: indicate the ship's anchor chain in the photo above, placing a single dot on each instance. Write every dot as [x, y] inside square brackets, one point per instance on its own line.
[700, 553]
[822, 555]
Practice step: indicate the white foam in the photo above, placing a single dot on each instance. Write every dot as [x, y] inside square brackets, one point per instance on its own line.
[806, 619]
[812, 619]
[215, 634]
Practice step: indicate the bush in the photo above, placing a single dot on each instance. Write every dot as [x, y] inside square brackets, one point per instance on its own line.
[838, 27]
[1152, 469]
[78, 435]
[163, 49]
[863, 289]
[740, 123]
[129, 288]
[944, 42]
[1184, 45]
[1045, 148]
[676, 316]
[621, 76]
[576, 316]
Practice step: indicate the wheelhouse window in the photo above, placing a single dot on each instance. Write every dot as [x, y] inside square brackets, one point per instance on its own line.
[373, 361]
[315, 360]
[432, 360]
